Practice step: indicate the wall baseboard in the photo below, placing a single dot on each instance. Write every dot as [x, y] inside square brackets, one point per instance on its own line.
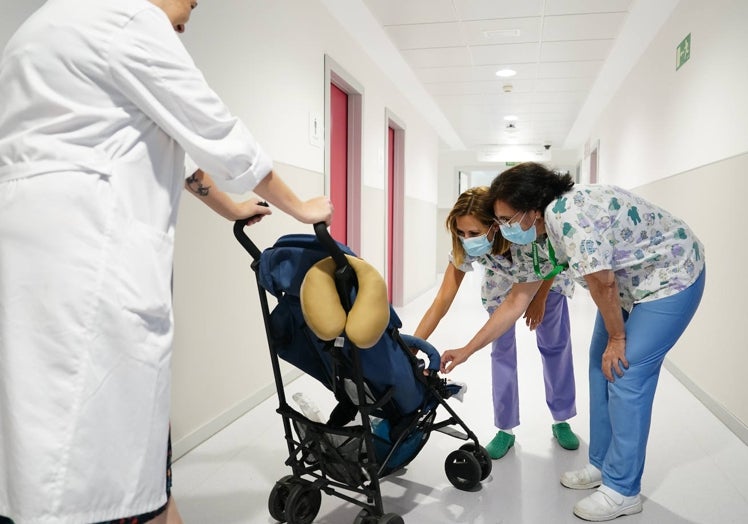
[732, 422]
[184, 445]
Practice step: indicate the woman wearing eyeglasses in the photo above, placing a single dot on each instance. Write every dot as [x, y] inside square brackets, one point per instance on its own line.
[645, 271]
[475, 238]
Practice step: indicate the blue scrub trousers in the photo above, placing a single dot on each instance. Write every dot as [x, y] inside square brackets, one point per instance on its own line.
[621, 411]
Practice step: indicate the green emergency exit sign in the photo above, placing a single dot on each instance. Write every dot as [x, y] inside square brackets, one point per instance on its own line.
[683, 53]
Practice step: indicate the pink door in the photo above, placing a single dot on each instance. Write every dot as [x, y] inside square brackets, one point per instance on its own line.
[339, 163]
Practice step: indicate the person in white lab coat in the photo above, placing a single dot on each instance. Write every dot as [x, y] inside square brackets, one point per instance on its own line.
[100, 103]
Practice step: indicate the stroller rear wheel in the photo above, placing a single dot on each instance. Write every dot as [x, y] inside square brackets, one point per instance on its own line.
[484, 459]
[463, 469]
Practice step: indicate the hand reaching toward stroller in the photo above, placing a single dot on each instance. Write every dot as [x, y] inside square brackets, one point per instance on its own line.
[453, 358]
[534, 314]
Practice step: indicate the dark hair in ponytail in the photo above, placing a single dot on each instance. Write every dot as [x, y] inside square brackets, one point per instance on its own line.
[529, 186]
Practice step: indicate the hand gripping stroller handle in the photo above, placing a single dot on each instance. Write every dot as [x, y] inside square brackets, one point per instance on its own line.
[320, 230]
[243, 239]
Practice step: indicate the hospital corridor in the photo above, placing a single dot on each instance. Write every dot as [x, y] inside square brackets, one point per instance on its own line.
[696, 470]
[589, 147]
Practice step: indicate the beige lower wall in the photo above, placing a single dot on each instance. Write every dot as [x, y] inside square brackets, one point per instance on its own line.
[712, 356]
[221, 364]
[418, 256]
[373, 227]
[443, 240]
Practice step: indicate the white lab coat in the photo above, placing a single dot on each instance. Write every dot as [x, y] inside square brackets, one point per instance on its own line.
[100, 101]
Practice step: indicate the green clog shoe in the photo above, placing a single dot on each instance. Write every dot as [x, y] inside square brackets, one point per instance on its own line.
[500, 444]
[565, 436]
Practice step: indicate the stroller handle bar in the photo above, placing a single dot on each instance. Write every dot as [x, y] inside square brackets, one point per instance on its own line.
[244, 240]
[323, 235]
[320, 230]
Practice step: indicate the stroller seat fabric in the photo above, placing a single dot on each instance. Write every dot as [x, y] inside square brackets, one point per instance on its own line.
[384, 364]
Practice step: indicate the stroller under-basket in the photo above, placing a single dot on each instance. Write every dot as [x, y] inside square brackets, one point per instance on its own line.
[386, 403]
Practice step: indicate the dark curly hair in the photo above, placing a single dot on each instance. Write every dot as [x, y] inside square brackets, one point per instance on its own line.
[529, 186]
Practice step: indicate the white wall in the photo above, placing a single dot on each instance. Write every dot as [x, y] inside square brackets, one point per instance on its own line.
[265, 58]
[680, 138]
[664, 121]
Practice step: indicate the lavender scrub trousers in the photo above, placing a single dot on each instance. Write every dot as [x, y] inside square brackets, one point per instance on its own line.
[554, 343]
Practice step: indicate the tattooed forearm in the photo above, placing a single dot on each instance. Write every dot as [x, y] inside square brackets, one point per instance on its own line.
[196, 186]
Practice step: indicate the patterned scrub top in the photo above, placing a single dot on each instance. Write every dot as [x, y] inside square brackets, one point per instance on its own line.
[652, 253]
[500, 274]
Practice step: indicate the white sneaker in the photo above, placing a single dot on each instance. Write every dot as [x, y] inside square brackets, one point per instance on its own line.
[607, 504]
[586, 478]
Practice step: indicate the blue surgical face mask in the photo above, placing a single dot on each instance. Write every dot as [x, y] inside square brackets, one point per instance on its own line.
[477, 246]
[516, 235]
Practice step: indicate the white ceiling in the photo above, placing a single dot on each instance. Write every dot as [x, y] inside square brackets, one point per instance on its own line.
[455, 47]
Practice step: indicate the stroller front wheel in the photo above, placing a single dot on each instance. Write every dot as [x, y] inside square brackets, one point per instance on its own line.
[484, 459]
[463, 469]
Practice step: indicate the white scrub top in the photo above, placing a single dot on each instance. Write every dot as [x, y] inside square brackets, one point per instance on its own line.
[100, 101]
[652, 253]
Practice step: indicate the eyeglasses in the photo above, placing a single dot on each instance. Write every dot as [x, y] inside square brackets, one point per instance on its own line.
[502, 221]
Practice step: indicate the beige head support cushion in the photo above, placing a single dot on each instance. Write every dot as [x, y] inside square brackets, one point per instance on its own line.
[325, 316]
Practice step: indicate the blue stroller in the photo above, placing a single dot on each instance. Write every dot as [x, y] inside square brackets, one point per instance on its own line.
[332, 323]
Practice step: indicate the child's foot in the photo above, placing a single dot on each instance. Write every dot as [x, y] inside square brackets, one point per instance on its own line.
[500, 444]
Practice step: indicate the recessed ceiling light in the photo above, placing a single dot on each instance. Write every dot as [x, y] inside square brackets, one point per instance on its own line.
[506, 73]
[511, 118]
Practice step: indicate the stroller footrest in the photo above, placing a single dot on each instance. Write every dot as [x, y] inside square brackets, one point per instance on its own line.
[447, 430]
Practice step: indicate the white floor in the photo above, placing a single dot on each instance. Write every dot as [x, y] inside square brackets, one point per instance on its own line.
[696, 471]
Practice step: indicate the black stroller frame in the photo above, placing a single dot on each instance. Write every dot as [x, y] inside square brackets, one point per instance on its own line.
[342, 461]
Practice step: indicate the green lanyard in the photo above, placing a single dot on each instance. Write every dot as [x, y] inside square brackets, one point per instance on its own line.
[557, 268]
